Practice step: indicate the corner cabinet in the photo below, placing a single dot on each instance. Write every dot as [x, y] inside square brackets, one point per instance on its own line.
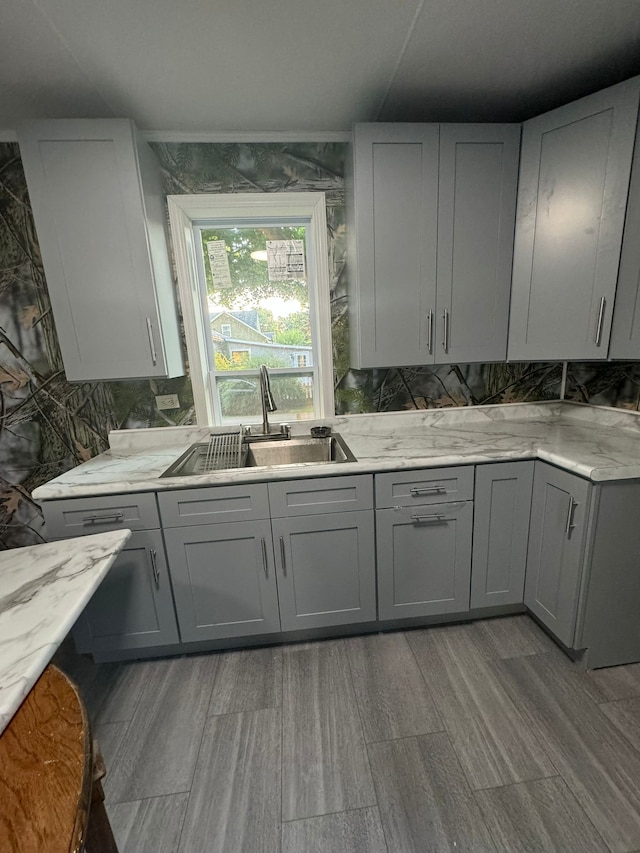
[133, 606]
[97, 200]
[556, 554]
[572, 195]
[433, 265]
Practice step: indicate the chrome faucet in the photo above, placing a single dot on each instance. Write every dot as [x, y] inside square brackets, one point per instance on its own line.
[266, 398]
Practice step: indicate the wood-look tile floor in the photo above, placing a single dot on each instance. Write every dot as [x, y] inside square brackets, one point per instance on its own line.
[476, 737]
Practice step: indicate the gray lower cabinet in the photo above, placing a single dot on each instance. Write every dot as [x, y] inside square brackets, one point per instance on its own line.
[555, 558]
[326, 569]
[224, 581]
[502, 507]
[133, 606]
[424, 559]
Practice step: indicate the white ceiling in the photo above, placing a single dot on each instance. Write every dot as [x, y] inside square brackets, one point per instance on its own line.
[297, 66]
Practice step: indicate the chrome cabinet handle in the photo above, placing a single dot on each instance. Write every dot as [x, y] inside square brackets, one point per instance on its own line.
[445, 318]
[152, 346]
[154, 567]
[431, 490]
[573, 505]
[265, 565]
[598, 338]
[282, 557]
[430, 331]
[94, 519]
[437, 517]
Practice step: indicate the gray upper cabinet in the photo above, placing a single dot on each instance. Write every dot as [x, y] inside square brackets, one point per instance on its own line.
[557, 534]
[395, 176]
[625, 332]
[223, 580]
[133, 606]
[96, 195]
[476, 215]
[500, 533]
[574, 180]
[434, 209]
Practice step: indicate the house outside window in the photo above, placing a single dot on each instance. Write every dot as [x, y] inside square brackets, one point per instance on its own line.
[259, 271]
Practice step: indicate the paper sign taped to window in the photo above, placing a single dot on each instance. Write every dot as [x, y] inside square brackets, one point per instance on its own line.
[285, 260]
[219, 263]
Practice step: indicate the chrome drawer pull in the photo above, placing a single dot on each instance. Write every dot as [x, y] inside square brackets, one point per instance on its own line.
[445, 342]
[154, 567]
[419, 518]
[573, 505]
[93, 519]
[431, 490]
[152, 346]
[430, 331]
[283, 557]
[598, 337]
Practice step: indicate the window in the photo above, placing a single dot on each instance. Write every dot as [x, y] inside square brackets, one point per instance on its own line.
[258, 263]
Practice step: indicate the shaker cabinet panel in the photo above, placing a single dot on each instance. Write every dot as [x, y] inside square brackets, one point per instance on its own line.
[476, 216]
[223, 580]
[326, 569]
[424, 560]
[574, 179]
[396, 210]
[559, 513]
[133, 606]
[94, 187]
[500, 532]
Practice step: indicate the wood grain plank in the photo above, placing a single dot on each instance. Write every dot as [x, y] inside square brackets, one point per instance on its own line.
[247, 681]
[357, 831]
[510, 637]
[625, 716]
[592, 756]
[543, 816]
[393, 699]
[424, 799]
[158, 753]
[494, 743]
[149, 826]
[325, 764]
[235, 801]
[617, 682]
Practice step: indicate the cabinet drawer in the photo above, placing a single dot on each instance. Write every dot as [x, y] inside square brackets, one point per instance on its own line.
[328, 494]
[81, 516]
[437, 485]
[184, 507]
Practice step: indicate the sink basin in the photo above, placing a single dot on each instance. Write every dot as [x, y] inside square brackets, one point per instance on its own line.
[298, 451]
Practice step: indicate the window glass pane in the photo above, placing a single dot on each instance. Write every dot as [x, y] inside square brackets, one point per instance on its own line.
[240, 398]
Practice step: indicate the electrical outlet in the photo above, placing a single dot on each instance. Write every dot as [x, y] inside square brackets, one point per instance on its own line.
[167, 401]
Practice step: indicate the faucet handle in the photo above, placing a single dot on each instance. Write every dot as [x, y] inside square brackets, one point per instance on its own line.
[285, 429]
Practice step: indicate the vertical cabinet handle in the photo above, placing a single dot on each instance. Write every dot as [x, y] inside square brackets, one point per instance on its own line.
[154, 567]
[152, 346]
[598, 338]
[445, 321]
[573, 505]
[430, 331]
[283, 557]
[265, 565]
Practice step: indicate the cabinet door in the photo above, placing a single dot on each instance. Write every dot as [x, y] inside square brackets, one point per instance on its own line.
[625, 332]
[133, 607]
[574, 178]
[476, 219]
[395, 175]
[326, 569]
[223, 580]
[559, 511]
[424, 560]
[95, 191]
[500, 533]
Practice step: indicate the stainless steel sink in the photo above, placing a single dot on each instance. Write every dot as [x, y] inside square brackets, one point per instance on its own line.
[298, 451]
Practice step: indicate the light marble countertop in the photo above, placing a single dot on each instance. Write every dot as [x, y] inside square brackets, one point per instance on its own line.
[43, 590]
[594, 442]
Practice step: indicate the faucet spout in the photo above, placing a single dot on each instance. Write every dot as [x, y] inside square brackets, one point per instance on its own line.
[266, 399]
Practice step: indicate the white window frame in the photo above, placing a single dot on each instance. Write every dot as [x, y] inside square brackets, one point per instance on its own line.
[184, 211]
[224, 326]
